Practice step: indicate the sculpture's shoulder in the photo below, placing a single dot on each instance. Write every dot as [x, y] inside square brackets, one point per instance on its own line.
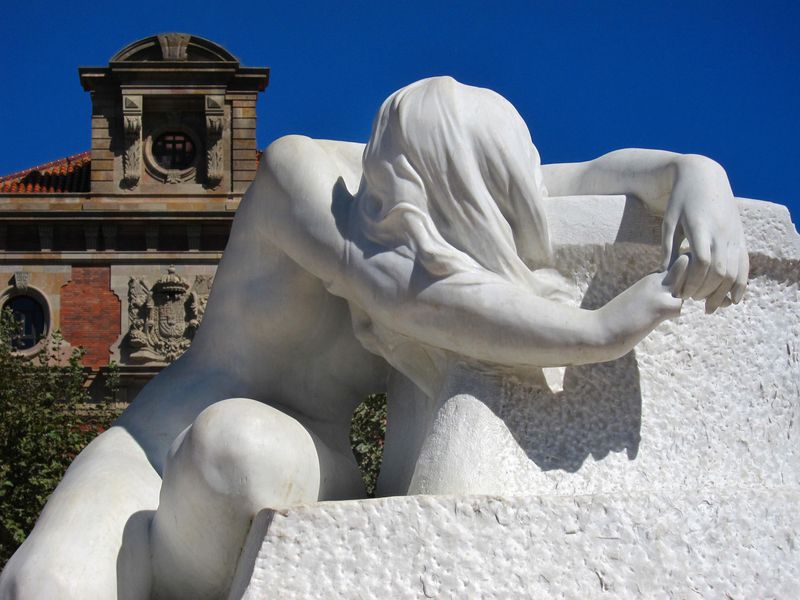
[293, 156]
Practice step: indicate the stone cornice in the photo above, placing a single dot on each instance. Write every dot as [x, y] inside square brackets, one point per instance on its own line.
[60, 206]
[108, 257]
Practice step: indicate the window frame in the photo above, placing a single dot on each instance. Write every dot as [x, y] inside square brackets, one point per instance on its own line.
[41, 299]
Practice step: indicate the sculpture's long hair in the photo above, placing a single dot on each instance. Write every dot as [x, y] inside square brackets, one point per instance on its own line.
[451, 171]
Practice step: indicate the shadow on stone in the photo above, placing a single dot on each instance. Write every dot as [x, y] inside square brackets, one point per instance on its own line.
[134, 576]
[247, 565]
[599, 410]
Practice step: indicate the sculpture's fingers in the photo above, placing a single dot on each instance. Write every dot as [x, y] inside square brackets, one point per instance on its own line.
[714, 279]
[671, 237]
[698, 266]
[721, 272]
[676, 277]
[732, 270]
[715, 300]
[741, 277]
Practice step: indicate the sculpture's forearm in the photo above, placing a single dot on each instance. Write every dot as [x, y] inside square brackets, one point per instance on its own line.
[650, 175]
[495, 321]
[692, 194]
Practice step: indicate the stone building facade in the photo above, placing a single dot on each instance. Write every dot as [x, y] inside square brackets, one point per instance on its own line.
[117, 247]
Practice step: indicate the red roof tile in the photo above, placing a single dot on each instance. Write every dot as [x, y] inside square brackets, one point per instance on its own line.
[66, 175]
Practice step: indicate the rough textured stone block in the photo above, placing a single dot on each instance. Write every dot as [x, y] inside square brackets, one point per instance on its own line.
[704, 544]
[671, 472]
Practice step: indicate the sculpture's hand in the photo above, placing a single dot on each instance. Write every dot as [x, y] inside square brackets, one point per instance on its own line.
[655, 293]
[702, 211]
[631, 316]
[675, 278]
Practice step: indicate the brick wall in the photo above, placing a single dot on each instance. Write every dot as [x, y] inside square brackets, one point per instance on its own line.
[90, 313]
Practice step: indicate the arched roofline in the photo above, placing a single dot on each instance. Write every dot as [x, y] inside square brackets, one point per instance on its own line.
[182, 46]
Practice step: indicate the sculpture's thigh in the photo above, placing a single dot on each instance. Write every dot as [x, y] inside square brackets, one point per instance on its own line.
[238, 457]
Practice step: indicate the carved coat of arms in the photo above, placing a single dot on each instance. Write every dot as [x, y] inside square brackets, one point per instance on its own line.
[164, 318]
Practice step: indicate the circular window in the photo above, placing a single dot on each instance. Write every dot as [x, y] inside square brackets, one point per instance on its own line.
[31, 320]
[174, 150]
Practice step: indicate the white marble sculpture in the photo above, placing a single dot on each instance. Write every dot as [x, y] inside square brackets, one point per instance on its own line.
[421, 265]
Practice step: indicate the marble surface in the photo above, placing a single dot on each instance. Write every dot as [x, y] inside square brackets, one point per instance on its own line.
[701, 544]
[671, 472]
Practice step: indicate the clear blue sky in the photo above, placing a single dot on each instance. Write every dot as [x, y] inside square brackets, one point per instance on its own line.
[720, 78]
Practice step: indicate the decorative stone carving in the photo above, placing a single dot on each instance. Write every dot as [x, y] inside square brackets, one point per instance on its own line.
[215, 125]
[174, 45]
[214, 158]
[164, 318]
[215, 102]
[22, 280]
[132, 156]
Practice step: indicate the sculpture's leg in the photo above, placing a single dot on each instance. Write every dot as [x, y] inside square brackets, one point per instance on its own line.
[468, 448]
[238, 457]
[74, 552]
[409, 412]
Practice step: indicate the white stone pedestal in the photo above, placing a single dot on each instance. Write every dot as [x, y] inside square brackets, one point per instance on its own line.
[706, 544]
[672, 472]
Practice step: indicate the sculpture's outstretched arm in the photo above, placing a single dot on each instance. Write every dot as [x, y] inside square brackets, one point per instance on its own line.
[693, 195]
[485, 317]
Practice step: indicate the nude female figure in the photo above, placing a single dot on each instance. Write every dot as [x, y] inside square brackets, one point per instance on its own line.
[429, 243]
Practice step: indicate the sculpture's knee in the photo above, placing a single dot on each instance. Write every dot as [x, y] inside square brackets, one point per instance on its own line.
[244, 449]
[238, 457]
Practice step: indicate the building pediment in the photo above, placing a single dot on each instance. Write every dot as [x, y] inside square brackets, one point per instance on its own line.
[173, 47]
[170, 62]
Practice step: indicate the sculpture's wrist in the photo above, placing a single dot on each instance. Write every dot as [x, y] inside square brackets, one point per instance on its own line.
[701, 178]
[629, 317]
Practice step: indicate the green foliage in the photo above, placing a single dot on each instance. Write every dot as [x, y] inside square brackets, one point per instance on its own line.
[45, 420]
[111, 383]
[366, 438]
